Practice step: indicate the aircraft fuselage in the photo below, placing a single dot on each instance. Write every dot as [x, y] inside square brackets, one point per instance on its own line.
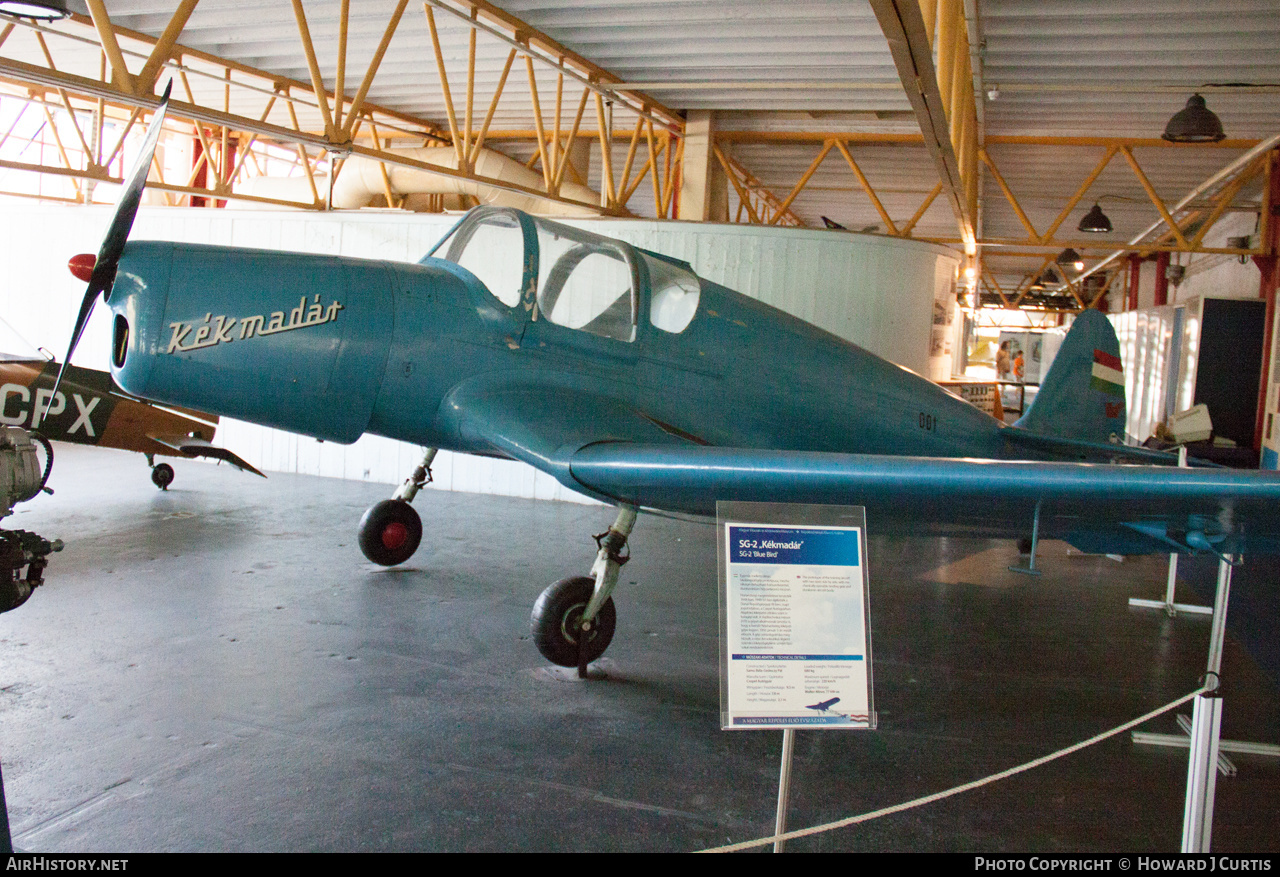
[335, 347]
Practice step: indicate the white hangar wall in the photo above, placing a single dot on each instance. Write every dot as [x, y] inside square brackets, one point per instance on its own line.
[881, 293]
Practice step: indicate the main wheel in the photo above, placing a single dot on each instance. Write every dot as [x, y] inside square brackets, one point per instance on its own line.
[556, 616]
[162, 475]
[390, 532]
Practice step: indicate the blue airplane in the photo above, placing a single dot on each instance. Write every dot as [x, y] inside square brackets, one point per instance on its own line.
[631, 379]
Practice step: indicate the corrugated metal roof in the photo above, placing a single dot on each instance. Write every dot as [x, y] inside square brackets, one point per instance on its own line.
[834, 45]
[1058, 68]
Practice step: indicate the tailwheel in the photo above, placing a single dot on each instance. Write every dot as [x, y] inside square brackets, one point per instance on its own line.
[557, 622]
[390, 532]
[162, 475]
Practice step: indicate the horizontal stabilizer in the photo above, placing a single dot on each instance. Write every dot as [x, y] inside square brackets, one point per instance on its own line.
[196, 447]
[1056, 448]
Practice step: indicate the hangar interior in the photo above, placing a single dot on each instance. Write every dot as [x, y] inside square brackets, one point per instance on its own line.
[216, 667]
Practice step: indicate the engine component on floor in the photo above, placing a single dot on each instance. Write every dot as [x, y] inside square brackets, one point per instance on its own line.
[21, 475]
[21, 550]
[23, 555]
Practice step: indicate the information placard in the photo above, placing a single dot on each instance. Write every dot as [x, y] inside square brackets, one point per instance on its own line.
[795, 637]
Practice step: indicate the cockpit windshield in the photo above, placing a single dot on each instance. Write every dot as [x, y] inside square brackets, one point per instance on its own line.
[492, 248]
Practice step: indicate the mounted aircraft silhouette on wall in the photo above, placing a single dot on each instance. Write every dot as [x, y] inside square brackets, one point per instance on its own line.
[630, 379]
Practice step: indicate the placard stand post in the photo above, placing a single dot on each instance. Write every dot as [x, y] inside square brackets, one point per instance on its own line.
[784, 787]
[6, 837]
[1203, 733]
[1206, 728]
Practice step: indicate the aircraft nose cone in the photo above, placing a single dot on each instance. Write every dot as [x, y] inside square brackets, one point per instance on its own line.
[82, 265]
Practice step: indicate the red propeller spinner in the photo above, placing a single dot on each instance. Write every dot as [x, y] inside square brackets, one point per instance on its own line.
[82, 266]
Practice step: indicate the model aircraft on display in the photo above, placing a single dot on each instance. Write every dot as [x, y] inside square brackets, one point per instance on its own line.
[630, 379]
[88, 409]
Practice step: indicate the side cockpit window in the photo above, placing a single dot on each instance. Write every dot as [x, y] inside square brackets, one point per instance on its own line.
[492, 248]
[674, 294]
[586, 283]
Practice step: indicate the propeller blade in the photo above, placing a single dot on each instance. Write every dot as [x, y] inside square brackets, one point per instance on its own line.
[104, 272]
[104, 269]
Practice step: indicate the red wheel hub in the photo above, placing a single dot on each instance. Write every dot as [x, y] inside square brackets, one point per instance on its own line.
[394, 535]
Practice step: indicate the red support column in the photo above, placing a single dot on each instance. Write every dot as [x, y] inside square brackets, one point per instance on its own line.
[201, 178]
[1267, 286]
[1162, 279]
[1135, 272]
[226, 163]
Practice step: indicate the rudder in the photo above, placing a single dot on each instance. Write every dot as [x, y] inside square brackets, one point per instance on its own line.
[1082, 397]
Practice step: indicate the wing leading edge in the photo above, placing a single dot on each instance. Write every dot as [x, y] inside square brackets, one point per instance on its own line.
[543, 424]
[1097, 507]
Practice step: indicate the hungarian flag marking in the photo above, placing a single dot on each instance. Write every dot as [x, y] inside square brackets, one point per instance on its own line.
[1107, 374]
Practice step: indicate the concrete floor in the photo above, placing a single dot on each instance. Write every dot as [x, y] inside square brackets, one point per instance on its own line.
[218, 668]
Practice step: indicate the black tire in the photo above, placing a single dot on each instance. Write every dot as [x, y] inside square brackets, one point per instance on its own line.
[555, 616]
[162, 475]
[390, 532]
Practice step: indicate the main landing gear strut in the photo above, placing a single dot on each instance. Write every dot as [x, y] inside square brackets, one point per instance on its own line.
[574, 619]
[391, 530]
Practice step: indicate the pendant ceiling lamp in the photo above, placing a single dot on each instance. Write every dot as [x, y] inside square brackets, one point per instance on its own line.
[41, 10]
[1194, 123]
[1095, 221]
[1070, 257]
[1045, 278]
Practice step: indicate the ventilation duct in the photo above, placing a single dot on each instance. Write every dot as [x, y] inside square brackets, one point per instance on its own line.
[360, 182]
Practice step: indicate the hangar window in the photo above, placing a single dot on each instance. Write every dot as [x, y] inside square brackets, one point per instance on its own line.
[492, 248]
[674, 295]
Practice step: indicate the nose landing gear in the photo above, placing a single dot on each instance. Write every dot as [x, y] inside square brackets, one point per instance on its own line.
[391, 530]
[574, 619]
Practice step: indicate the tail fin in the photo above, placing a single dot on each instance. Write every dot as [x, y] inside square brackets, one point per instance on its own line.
[1082, 397]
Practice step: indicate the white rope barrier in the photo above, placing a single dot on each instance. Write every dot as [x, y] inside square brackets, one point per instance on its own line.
[938, 796]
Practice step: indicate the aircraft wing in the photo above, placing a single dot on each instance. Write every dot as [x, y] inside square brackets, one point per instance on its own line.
[1099, 508]
[599, 446]
[197, 447]
[543, 424]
